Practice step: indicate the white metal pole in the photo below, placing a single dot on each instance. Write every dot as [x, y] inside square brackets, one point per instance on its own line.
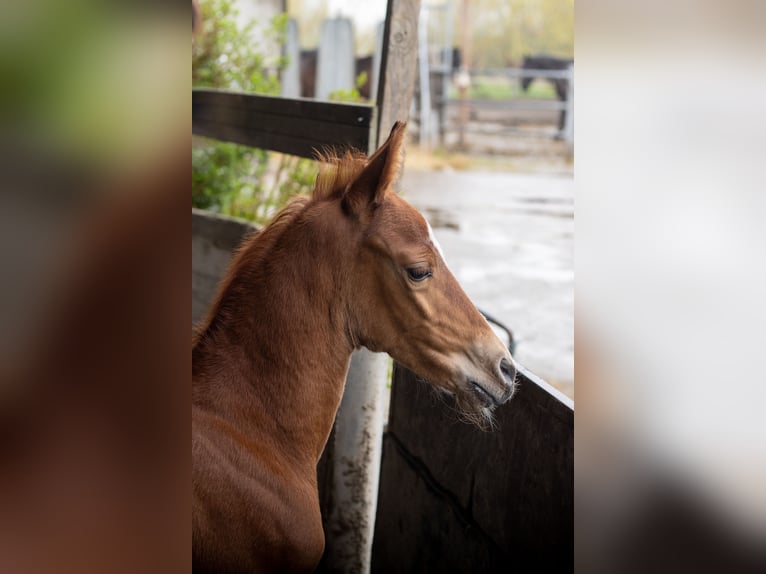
[291, 75]
[356, 465]
[425, 79]
[569, 125]
[358, 436]
[335, 59]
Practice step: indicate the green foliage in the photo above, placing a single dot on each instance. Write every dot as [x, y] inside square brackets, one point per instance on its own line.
[504, 31]
[225, 55]
[503, 89]
[484, 88]
[229, 178]
[223, 174]
[310, 14]
[540, 88]
[352, 95]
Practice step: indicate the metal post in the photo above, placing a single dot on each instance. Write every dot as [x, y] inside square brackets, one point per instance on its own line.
[569, 124]
[446, 77]
[356, 465]
[335, 60]
[464, 79]
[291, 79]
[377, 57]
[358, 435]
[425, 79]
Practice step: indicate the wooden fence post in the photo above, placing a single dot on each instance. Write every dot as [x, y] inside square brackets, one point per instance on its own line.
[358, 436]
[398, 66]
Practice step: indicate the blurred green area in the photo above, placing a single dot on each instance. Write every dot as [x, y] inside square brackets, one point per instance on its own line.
[504, 89]
[504, 32]
[229, 178]
[93, 82]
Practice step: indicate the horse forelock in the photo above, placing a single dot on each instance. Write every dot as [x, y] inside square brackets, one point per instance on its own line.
[337, 170]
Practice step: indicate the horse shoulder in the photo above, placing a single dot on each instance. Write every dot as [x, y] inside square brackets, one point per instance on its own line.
[251, 512]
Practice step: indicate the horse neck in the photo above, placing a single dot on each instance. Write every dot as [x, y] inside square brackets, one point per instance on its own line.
[273, 357]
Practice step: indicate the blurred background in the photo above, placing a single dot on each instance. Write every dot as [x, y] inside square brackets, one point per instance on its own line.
[489, 161]
[670, 459]
[670, 275]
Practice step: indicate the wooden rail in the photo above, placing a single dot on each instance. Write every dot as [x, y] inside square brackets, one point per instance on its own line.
[295, 126]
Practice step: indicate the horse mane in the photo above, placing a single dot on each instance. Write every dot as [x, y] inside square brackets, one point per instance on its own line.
[336, 171]
[253, 248]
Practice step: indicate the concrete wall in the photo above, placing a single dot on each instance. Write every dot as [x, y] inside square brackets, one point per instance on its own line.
[214, 238]
[456, 499]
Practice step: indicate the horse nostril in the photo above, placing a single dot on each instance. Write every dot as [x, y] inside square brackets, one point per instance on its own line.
[508, 370]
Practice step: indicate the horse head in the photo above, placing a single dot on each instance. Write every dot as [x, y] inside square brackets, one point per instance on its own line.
[403, 299]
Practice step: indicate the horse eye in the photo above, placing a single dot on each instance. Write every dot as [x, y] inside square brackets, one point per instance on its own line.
[418, 273]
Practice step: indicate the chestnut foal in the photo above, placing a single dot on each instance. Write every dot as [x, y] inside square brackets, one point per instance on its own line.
[353, 266]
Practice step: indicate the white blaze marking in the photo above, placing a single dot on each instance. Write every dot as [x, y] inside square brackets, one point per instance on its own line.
[433, 239]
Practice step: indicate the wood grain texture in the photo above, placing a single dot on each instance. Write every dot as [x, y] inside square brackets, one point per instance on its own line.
[294, 126]
[398, 64]
[499, 501]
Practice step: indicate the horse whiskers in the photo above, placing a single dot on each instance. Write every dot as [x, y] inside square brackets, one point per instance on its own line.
[462, 409]
[482, 419]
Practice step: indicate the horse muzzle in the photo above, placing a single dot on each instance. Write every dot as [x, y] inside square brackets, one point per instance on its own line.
[499, 392]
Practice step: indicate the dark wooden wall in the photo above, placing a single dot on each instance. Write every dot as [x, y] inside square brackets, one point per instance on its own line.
[457, 499]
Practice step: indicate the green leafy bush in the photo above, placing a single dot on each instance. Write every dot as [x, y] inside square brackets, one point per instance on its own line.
[352, 95]
[230, 178]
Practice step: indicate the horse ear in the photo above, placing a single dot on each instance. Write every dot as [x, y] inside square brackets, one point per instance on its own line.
[370, 187]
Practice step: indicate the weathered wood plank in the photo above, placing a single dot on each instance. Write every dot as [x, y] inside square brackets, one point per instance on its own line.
[441, 539]
[513, 485]
[398, 65]
[294, 126]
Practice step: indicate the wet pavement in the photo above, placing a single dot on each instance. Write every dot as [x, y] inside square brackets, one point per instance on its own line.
[509, 240]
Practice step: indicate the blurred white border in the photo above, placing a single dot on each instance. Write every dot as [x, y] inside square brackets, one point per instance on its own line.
[670, 173]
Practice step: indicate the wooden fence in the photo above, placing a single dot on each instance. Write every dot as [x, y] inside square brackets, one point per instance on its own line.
[293, 126]
[494, 117]
[456, 499]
